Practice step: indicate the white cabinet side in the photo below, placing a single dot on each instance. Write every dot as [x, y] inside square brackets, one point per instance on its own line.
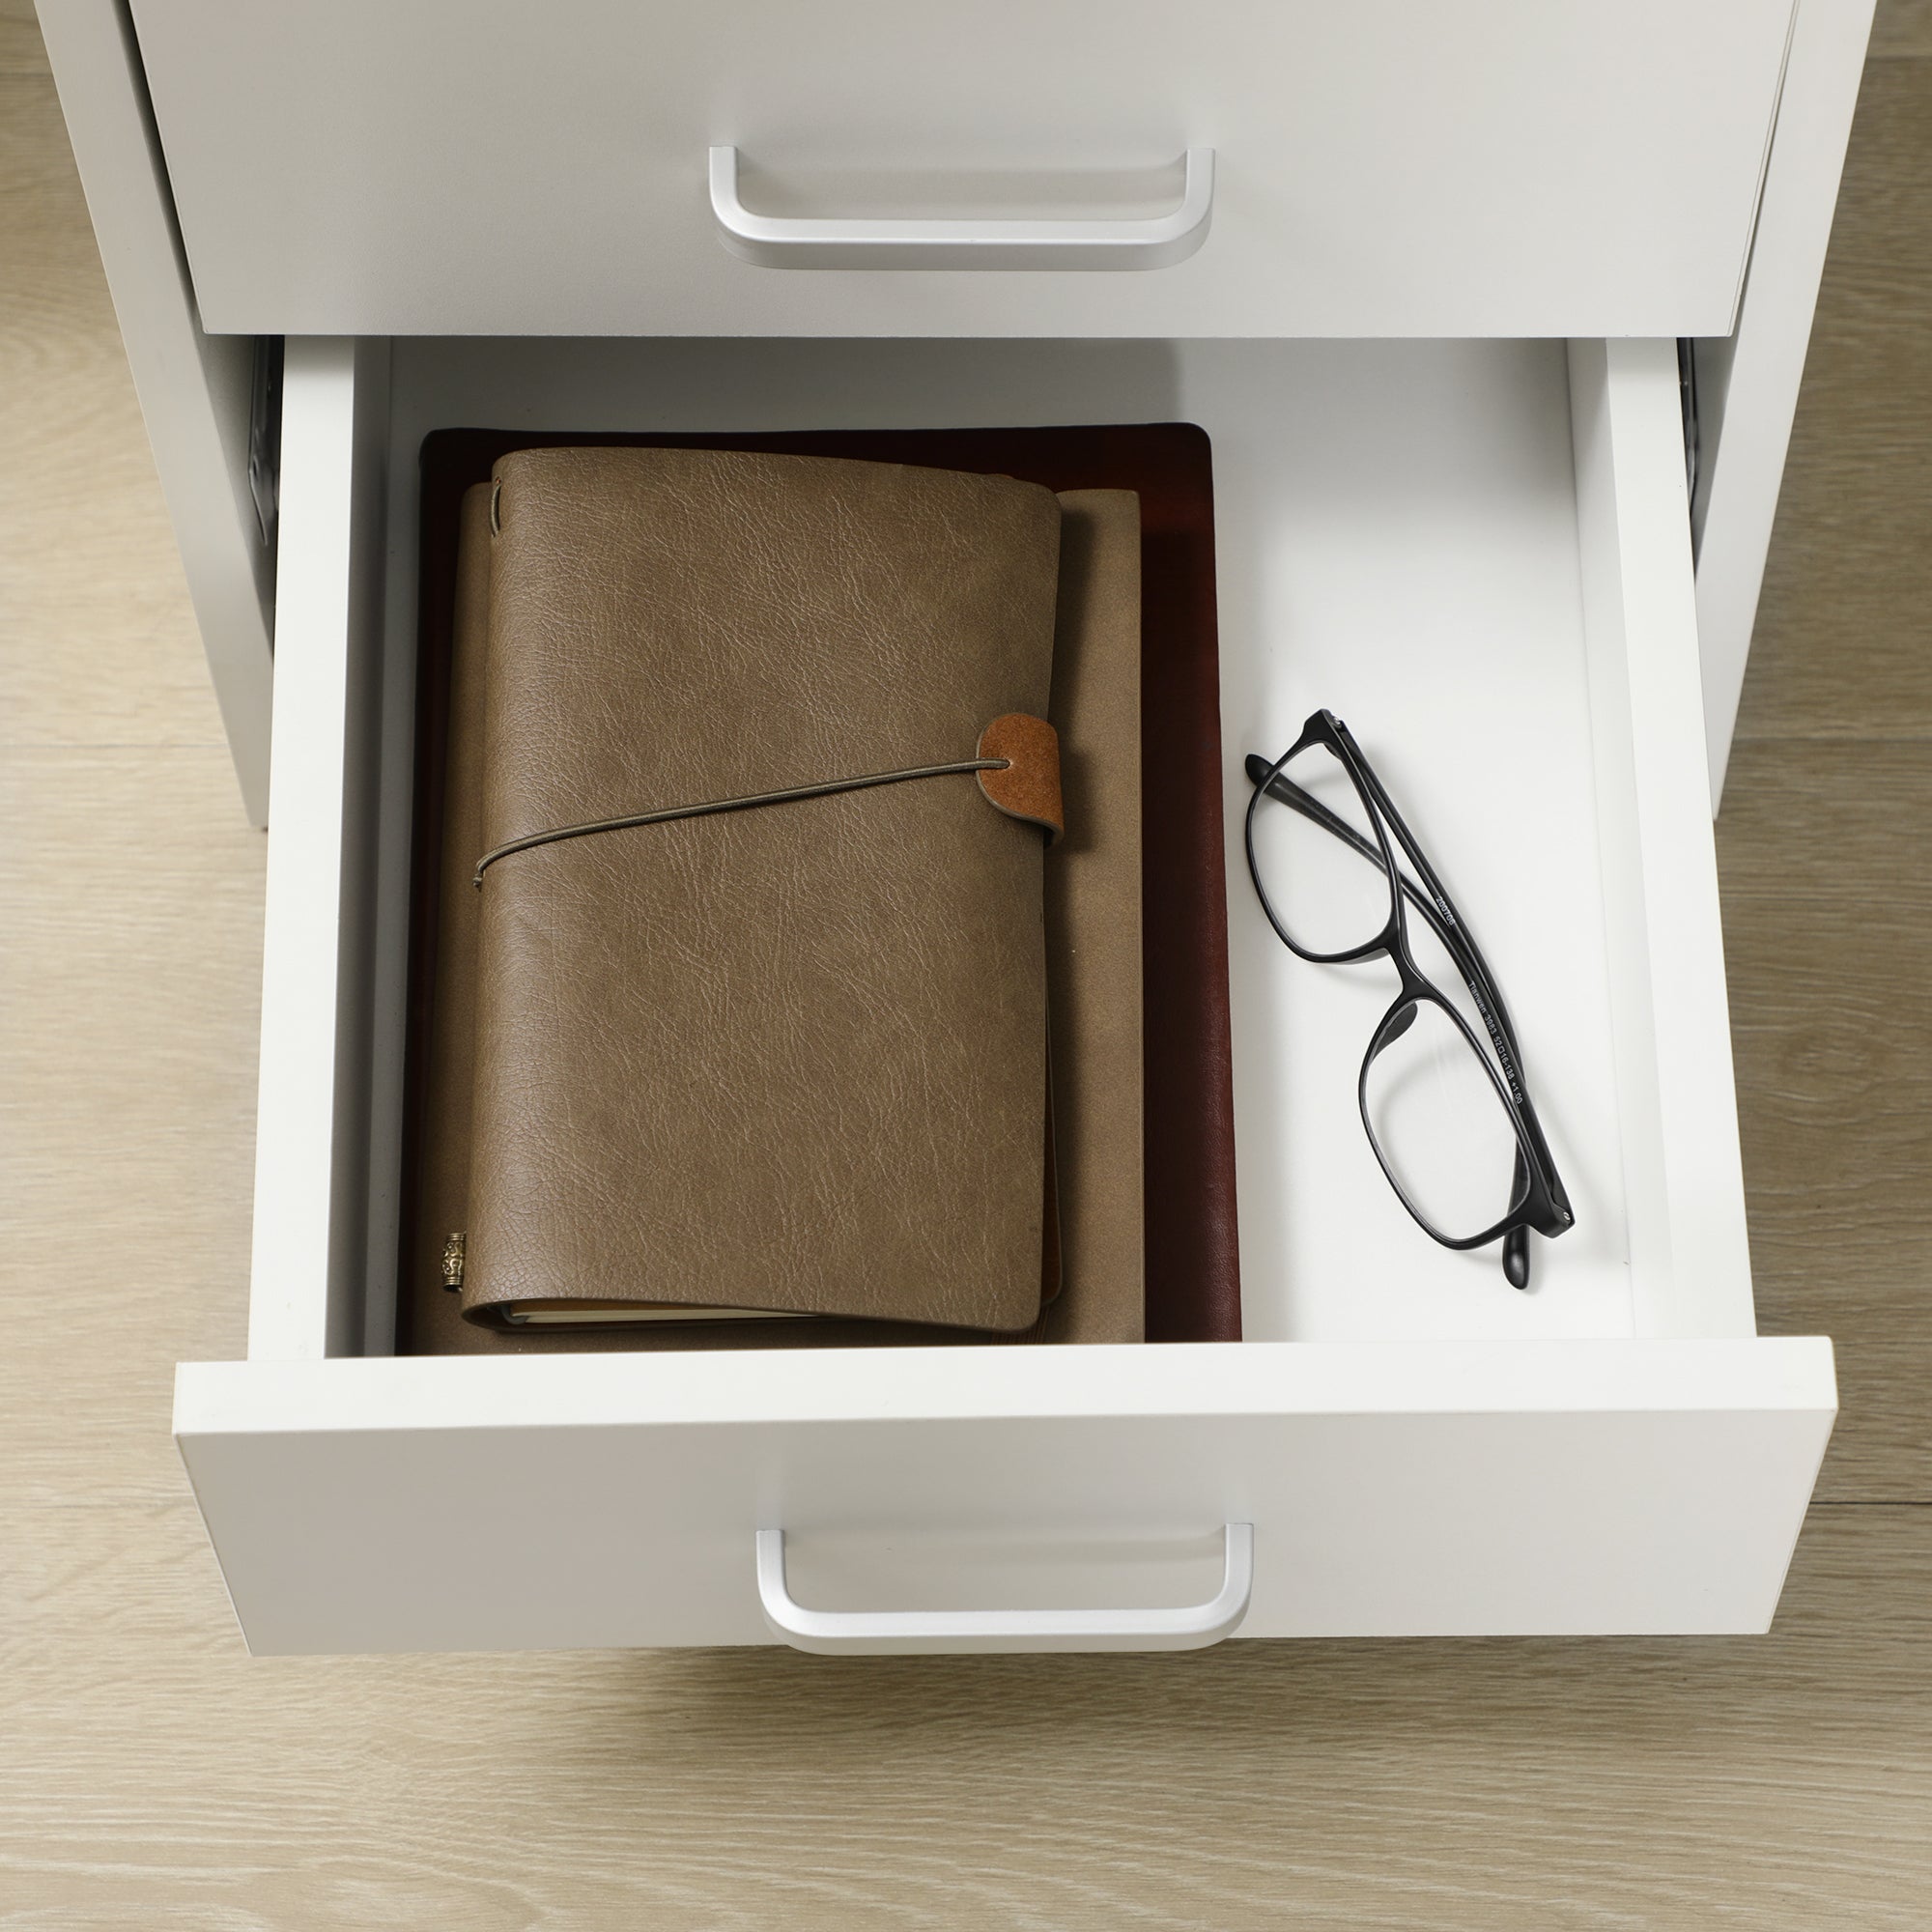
[194, 388]
[1760, 369]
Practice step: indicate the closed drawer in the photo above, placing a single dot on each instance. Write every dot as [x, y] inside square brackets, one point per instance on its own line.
[1476, 552]
[1411, 167]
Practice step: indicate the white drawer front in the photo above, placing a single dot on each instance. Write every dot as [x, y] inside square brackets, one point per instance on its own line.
[1479, 551]
[1414, 167]
[1394, 1490]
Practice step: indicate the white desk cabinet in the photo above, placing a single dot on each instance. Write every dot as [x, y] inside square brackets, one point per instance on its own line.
[1482, 551]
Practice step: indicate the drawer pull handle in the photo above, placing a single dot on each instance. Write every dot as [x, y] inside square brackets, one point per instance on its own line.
[811, 242]
[873, 1632]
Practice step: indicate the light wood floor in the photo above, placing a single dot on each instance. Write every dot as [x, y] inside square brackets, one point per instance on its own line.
[152, 1775]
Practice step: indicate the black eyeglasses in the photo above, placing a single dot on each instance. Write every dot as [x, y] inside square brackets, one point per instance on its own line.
[1448, 1119]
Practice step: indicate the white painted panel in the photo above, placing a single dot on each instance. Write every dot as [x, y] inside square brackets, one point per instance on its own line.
[1749, 382]
[194, 388]
[1396, 167]
[1690, 1264]
[1563, 1488]
[311, 1124]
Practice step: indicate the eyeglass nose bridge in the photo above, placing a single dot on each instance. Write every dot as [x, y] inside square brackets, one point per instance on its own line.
[1396, 1022]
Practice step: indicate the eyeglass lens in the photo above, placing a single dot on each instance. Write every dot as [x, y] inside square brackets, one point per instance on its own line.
[1329, 896]
[1439, 1123]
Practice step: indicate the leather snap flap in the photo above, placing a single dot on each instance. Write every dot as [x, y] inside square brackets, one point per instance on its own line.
[1028, 787]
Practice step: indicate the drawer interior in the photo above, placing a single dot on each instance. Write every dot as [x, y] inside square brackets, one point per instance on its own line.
[1476, 552]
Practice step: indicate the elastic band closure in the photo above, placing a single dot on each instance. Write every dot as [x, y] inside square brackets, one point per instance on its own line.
[716, 805]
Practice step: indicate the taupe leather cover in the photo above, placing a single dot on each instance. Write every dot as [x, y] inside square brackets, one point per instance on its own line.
[1092, 898]
[792, 1058]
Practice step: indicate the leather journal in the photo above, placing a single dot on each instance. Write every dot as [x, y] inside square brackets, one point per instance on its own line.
[762, 973]
[1113, 604]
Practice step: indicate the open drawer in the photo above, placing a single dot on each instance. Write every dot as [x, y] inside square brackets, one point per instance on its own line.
[1476, 552]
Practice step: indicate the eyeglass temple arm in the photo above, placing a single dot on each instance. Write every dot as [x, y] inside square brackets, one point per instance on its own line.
[1462, 948]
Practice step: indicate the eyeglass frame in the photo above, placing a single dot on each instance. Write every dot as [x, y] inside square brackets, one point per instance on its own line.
[1539, 1203]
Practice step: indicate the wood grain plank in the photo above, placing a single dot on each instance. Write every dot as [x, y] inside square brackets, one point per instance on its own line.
[1822, 850]
[101, 645]
[131, 895]
[1784, 1781]
[1902, 30]
[21, 51]
[1843, 643]
[1827, 879]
